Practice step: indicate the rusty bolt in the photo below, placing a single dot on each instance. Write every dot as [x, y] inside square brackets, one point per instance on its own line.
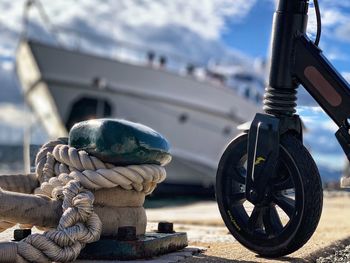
[19, 234]
[165, 227]
[126, 233]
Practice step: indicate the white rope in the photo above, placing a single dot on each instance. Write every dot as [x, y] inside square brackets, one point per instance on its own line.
[41, 157]
[78, 225]
[66, 163]
[69, 174]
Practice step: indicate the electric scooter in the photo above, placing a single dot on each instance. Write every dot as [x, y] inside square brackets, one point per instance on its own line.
[268, 187]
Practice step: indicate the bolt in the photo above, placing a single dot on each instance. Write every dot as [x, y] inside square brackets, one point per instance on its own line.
[19, 234]
[253, 196]
[126, 233]
[165, 227]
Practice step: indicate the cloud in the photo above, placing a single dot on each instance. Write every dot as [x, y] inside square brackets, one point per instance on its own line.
[206, 19]
[184, 24]
[310, 109]
[343, 32]
[346, 76]
[329, 125]
[186, 28]
[338, 4]
[333, 16]
[333, 53]
[336, 19]
[320, 137]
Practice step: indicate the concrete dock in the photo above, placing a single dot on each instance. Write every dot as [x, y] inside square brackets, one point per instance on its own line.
[205, 228]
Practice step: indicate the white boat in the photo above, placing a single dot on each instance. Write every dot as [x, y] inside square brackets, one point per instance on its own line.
[197, 113]
[198, 117]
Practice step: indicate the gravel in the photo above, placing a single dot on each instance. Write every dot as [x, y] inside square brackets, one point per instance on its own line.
[342, 255]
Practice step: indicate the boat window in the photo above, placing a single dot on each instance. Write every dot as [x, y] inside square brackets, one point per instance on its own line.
[88, 108]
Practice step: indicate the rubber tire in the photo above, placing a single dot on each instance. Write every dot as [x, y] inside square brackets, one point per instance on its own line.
[312, 193]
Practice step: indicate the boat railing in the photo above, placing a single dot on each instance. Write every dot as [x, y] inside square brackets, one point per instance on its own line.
[106, 46]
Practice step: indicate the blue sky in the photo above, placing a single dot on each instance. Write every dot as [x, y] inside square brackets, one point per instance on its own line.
[251, 34]
[237, 31]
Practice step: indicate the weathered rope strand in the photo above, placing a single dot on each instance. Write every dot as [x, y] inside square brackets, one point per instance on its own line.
[67, 163]
[78, 225]
[69, 174]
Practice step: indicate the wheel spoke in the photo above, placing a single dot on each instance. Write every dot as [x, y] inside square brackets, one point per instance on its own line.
[267, 222]
[272, 221]
[276, 220]
[238, 197]
[255, 219]
[286, 204]
[284, 185]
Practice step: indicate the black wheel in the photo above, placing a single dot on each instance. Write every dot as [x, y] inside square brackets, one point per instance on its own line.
[288, 217]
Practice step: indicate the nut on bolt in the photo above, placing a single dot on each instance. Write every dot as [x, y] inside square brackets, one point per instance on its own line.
[165, 227]
[19, 234]
[126, 233]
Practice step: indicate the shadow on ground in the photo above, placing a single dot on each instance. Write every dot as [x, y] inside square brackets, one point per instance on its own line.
[202, 258]
[159, 202]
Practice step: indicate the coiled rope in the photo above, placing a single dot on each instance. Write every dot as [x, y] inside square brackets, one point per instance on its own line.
[57, 163]
[78, 225]
[70, 175]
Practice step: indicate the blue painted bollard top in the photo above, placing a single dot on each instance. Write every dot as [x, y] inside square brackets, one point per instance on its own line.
[120, 142]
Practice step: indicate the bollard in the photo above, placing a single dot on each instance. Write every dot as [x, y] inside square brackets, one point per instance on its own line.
[109, 166]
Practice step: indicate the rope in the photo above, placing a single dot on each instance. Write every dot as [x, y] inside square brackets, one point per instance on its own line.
[66, 163]
[41, 157]
[68, 174]
[21, 183]
[78, 225]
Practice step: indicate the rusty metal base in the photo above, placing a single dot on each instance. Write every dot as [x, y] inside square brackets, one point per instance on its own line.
[147, 246]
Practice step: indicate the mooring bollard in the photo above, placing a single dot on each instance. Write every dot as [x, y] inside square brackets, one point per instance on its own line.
[93, 182]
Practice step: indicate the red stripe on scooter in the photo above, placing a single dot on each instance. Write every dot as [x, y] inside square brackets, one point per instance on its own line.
[323, 86]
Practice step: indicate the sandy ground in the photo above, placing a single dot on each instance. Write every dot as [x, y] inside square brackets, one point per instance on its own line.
[205, 228]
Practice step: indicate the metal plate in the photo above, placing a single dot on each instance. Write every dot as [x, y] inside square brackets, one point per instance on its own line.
[147, 246]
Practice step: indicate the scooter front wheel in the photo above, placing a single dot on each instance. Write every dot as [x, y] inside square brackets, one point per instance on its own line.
[291, 210]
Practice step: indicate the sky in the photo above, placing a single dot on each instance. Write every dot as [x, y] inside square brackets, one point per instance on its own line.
[237, 31]
[251, 34]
